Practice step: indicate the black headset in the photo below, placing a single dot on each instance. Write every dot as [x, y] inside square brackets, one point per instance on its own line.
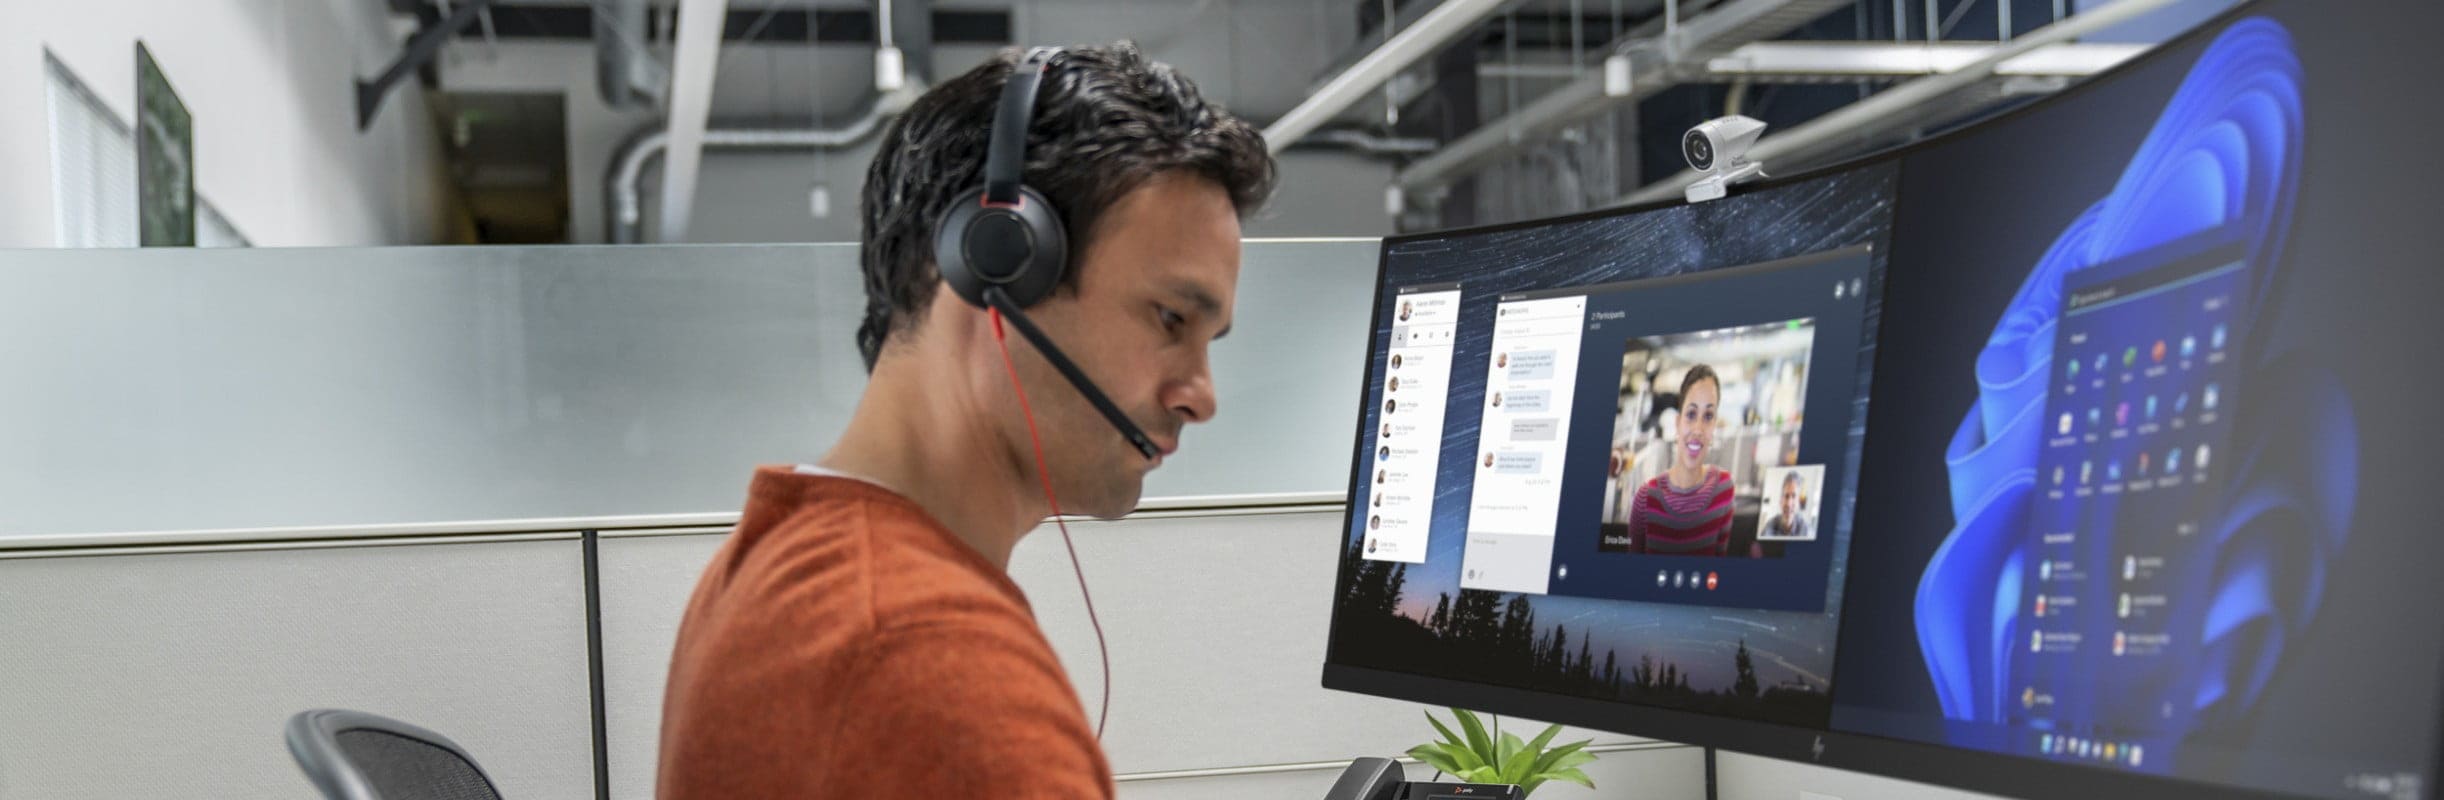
[1002, 247]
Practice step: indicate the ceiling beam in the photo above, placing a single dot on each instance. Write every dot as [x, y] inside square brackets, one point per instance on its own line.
[1429, 34]
[691, 102]
[1910, 103]
[1815, 62]
[1655, 64]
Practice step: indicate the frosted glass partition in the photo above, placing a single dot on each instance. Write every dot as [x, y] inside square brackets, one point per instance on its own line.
[180, 390]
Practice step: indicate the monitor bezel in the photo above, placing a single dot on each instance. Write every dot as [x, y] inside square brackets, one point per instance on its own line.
[1828, 747]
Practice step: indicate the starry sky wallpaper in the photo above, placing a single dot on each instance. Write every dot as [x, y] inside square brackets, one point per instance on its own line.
[1701, 646]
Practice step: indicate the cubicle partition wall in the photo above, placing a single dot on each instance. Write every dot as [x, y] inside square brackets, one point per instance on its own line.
[472, 487]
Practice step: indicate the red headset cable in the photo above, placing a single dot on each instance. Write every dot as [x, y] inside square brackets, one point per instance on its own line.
[1102, 649]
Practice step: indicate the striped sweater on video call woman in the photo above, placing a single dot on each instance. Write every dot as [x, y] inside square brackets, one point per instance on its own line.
[1694, 521]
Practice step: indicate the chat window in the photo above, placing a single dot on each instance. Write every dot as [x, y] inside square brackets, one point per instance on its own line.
[1530, 378]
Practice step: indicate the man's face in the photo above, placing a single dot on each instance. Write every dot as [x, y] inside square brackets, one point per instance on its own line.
[1158, 278]
[1790, 499]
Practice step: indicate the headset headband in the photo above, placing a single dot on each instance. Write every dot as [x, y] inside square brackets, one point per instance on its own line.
[1005, 157]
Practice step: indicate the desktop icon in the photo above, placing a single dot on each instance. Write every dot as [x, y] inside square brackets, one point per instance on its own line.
[2074, 368]
[1712, 580]
[2129, 356]
[2057, 475]
[2138, 755]
[2087, 471]
[2113, 470]
[2045, 743]
[2040, 605]
[2124, 610]
[2172, 460]
[2100, 362]
[2095, 415]
[2112, 751]
[2219, 332]
[2157, 354]
[2121, 414]
[2065, 427]
[2202, 456]
[2036, 642]
[2142, 465]
[2189, 346]
[2121, 642]
[2045, 570]
[1840, 288]
[2210, 396]
[2028, 697]
[2180, 405]
[1680, 579]
[2129, 568]
[2151, 407]
[1661, 578]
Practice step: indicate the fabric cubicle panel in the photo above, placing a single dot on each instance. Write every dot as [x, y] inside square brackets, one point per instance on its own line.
[172, 674]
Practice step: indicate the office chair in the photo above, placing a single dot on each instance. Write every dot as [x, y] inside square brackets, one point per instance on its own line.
[352, 755]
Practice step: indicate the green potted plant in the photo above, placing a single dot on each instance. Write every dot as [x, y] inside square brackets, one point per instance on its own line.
[1497, 757]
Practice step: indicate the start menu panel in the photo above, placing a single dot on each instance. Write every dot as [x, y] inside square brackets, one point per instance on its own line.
[2137, 412]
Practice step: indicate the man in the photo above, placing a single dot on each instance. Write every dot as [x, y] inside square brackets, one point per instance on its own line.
[1792, 523]
[858, 631]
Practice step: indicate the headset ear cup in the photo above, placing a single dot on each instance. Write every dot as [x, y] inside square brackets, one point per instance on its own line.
[1041, 275]
[950, 247]
[1023, 248]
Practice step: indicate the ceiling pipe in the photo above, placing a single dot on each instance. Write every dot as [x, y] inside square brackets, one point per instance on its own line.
[1429, 34]
[1655, 63]
[624, 194]
[625, 73]
[628, 171]
[1888, 109]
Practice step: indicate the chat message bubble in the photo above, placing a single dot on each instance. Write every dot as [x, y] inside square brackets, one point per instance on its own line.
[1528, 365]
[1530, 401]
[1518, 462]
[1542, 429]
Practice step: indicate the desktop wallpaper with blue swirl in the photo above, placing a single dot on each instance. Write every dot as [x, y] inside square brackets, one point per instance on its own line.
[2301, 653]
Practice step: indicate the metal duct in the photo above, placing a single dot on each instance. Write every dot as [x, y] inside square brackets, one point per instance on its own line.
[626, 73]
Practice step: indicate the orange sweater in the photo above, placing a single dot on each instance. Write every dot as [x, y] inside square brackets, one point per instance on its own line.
[842, 642]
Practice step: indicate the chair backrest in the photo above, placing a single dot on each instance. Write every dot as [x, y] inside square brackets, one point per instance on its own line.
[352, 755]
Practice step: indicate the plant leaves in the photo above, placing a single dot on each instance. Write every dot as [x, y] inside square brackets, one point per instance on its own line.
[1510, 747]
[1571, 760]
[1547, 762]
[1515, 768]
[1448, 736]
[1465, 758]
[1537, 744]
[1529, 787]
[1481, 775]
[1574, 776]
[1478, 742]
[1434, 757]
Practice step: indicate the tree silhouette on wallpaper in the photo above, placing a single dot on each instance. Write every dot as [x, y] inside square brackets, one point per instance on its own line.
[1493, 637]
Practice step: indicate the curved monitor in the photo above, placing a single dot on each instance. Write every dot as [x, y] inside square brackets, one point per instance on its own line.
[2076, 452]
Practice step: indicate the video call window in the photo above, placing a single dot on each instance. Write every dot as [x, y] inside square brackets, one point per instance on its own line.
[1703, 416]
[1702, 402]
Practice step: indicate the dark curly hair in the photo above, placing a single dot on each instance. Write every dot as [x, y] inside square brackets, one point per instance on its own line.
[1698, 374]
[1106, 120]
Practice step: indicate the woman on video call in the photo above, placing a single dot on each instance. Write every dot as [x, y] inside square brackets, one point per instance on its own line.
[1687, 509]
